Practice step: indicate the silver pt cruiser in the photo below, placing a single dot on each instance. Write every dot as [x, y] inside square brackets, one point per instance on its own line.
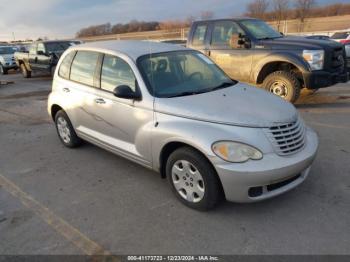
[171, 109]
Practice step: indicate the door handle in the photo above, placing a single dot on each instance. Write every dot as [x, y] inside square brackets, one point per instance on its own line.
[66, 90]
[100, 101]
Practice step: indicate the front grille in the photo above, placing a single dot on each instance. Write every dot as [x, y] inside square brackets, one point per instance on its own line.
[337, 59]
[287, 138]
[283, 183]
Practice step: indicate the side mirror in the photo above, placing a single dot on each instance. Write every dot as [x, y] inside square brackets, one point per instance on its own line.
[124, 91]
[40, 52]
[238, 41]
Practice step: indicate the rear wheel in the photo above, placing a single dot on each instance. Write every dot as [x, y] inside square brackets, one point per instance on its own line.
[25, 72]
[3, 71]
[65, 130]
[193, 179]
[283, 84]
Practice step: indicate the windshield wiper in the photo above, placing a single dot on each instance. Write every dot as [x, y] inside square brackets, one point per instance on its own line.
[223, 85]
[269, 38]
[187, 93]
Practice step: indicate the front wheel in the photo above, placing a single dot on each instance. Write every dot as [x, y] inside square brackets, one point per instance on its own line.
[52, 71]
[25, 72]
[193, 179]
[3, 71]
[283, 84]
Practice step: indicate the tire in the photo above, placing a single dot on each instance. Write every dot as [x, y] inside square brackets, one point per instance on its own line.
[52, 72]
[196, 185]
[25, 72]
[65, 130]
[283, 84]
[3, 71]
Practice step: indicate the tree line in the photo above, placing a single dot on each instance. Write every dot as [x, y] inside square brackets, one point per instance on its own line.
[270, 10]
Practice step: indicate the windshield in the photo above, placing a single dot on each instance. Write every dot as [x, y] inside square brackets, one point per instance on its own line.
[6, 50]
[181, 73]
[260, 30]
[57, 46]
[340, 35]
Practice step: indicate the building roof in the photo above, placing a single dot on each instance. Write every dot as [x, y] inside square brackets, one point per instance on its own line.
[132, 48]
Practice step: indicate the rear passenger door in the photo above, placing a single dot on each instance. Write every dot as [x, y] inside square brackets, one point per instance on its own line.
[236, 62]
[81, 90]
[120, 123]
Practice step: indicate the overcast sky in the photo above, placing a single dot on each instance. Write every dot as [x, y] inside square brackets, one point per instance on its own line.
[63, 18]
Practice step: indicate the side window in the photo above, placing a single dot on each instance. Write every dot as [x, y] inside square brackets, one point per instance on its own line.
[84, 67]
[223, 31]
[116, 72]
[32, 49]
[64, 70]
[41, 48]
[199, 35]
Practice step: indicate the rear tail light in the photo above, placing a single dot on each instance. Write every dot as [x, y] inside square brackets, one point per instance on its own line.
[345, 41]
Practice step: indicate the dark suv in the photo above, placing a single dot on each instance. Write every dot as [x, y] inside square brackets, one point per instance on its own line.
[251, 51]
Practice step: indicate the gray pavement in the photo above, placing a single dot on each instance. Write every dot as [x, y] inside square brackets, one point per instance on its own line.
[60, 201]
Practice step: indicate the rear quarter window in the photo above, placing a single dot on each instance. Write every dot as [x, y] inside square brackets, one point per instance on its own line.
[199, 35]
[65, 66]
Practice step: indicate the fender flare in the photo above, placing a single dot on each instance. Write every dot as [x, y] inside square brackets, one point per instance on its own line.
[293, 59]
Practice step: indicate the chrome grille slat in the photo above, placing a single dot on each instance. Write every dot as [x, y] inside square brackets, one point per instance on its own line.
[287, 138]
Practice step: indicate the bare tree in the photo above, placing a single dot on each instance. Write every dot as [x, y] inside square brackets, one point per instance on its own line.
[280, 8]
[205, 15]
[258, 8]
[303, 8]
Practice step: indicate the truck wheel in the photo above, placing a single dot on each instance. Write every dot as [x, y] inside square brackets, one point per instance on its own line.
[3, 71]
[53, 69]
[283, 84]
[193, 179]
[25, 72]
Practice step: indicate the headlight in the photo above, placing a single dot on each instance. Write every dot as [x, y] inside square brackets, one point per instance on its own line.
[315, 58]
[235, 152]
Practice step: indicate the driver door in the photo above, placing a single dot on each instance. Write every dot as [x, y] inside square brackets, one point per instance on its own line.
[236, 62]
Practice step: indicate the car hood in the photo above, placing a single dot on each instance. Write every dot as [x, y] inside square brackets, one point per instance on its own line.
[7, 57]
[239, 105]
[299, 43]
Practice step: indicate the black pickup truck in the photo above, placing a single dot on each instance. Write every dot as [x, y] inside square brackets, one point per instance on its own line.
[249, 50]
[42, 56]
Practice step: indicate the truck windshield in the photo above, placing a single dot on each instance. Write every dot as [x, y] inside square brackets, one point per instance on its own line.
[6, 50]
[260, 30]
[181, 73]
[57, 46]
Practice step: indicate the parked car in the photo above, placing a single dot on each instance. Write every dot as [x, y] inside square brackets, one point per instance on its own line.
[171, 109]
[341, 37]
[319, 37]
[7, 60]
[42, 57]
[251, 51]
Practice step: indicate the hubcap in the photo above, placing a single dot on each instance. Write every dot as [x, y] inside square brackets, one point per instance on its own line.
[63, 129]
[188, 181]
[279, 88]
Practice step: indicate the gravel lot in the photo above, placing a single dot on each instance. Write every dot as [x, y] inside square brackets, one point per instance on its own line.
[59, 201]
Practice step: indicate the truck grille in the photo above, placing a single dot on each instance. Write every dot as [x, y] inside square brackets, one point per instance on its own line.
[287, 138]
[338, 59]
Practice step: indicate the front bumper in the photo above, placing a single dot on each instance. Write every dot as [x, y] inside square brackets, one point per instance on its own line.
[10, 65]
[273, 175]
[320, 79]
